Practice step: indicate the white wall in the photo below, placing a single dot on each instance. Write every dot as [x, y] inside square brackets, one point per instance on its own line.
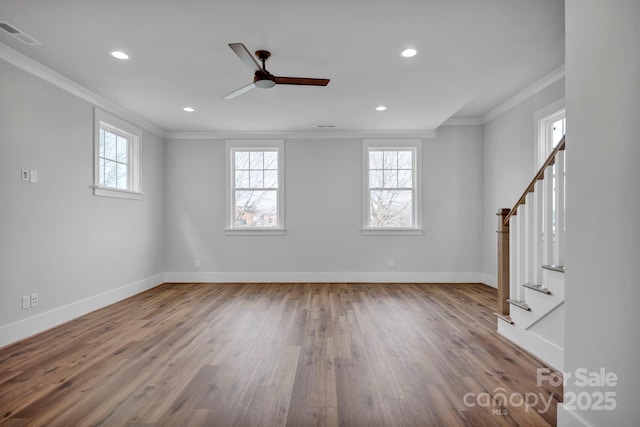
[509, 164]
[603, 202]
[76, 250]
[323, 214]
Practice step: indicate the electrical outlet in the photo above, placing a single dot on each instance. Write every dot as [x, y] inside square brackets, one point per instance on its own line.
[25, 175]
[35, 299]
[33, 176]
[26, 302]
[197, 263]
[391, 263]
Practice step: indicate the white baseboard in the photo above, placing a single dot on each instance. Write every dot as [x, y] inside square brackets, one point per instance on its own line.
[570, 418]
[327, 277]
[41, 322]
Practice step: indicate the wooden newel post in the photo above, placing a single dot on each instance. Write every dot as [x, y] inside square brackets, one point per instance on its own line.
[503, 262]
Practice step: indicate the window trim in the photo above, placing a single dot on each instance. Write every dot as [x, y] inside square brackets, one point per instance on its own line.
[107, 121]
[414, 145]
[231, 146]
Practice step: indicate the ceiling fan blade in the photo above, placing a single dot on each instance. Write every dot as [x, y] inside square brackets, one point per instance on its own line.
[301, 81]
[240, 91]
[245, 56]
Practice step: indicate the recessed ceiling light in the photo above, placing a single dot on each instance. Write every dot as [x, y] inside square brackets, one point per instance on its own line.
[119, 54]
[408, 53]
[189, 109]
[381, 108]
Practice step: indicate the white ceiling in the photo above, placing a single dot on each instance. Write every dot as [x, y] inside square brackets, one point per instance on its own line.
[473, 55]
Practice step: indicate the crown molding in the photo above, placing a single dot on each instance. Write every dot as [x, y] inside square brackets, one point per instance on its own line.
[463, 121]
[525, 94]
[35, 68]
[302, 135]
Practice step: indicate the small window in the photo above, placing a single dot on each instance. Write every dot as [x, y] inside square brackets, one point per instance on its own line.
[117, 148]
[255, 186]
[391, 195]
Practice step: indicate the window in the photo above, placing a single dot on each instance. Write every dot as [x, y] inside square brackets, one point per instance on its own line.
[392, 203]
[551, 125]
[255, 187]
[117, 153]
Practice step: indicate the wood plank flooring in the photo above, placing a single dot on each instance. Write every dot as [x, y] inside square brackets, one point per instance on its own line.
[278, 354]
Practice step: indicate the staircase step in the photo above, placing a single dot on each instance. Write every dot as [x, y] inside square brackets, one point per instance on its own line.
[559, 268]
[536, 287]
[504, 317]
[523, 305]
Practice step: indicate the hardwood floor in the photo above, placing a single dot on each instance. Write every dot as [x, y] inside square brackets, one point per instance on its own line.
[278, 354]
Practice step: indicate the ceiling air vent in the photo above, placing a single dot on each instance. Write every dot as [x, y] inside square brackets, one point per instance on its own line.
[18, 34]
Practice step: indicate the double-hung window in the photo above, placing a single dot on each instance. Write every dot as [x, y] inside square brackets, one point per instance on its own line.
[255, 185]
[117, 157]
[391, 202]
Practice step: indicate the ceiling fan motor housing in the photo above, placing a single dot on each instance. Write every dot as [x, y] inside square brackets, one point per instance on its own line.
[264, 80]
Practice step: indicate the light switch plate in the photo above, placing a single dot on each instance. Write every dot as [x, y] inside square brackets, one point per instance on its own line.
[25, 175]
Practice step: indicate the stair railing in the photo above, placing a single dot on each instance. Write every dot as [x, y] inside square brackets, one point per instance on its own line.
[532, 232]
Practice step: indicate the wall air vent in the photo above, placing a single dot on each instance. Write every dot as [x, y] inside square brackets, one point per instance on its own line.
[18, 34]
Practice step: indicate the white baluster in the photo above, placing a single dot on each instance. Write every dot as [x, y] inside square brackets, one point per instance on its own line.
[522, 251]
[548, 216]
[529, 244]
[538, 200]
[560, 202]
[513, 256]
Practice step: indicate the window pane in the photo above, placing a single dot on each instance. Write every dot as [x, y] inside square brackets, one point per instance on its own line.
[405, 160]
[375, 179]
[109, 146]
[405, 179]
[242, 179]
[375, 159]
[256, 208]
[242, 159]
[256, 159]
[390, 159]
[110, 173]
[270, 178]
[121, 176]
[391, 208]
[270, 160]
[256, 179]
[390, 178]
[121, 149]
[558, 131]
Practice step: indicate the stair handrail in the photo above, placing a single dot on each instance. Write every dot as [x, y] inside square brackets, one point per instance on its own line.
[540, 175]
[504, 215]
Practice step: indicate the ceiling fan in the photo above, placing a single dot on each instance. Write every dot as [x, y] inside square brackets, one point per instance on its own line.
[263, 78]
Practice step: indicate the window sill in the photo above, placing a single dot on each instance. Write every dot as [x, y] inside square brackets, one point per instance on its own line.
[112, 192]
[392, 231]
[254, 231]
